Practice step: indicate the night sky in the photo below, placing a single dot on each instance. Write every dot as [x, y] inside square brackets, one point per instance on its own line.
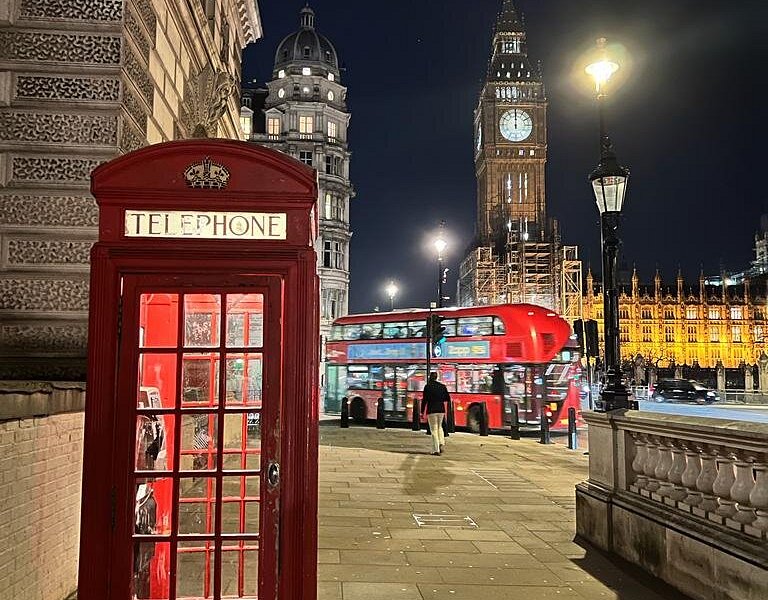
[689, 122]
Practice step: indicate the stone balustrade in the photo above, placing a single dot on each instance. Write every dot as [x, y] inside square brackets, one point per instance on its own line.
[685, 498]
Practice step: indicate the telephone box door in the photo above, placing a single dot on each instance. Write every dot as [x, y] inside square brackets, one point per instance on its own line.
[198, 434]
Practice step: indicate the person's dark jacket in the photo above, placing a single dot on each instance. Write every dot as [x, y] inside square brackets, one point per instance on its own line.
[434, 398]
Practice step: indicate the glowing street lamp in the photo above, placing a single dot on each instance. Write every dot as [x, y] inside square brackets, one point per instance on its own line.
[392, 290]
[609, 184]
[440, 246]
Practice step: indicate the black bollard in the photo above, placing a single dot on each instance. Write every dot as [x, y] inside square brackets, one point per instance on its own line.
[573, 436]
[483, 419]
[415, 422]
[450, 419]
[545, 436]
[344, 412]
[380, 414]
[514, 428]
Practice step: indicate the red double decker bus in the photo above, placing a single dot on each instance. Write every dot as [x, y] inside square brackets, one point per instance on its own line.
[502, 355]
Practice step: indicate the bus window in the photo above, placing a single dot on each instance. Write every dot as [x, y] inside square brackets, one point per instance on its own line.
[476, 326]
[395, 330]
[376, 379]
[358, 377]
[447, 375]
[371, 331]
[450, 327]
[474, 380]
[337, 333]
[498, 326]
[416, 329]
[416, 378]
[353, 332]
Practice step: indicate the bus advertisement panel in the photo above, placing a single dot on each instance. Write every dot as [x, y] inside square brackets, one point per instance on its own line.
[502, 355]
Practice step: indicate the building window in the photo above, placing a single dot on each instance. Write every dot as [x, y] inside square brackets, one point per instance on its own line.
[331, 77]
[333, 255]
[714, 314]
[691, 312]
[669, 314]
[333, 165]
[759, 334]
[334, 207]
[624, 313]
[306, 124]
[306, 71]
[273, 126]
[646, 334]
[647, 314]
[759, 314]
[669, 334]
[281, 74]
[714, 334]
[332, 303]
[281, 93]
[736, 312]
[691, 334]
[306, 55]
[736, 333]
[305, 156]
[332, 129]
[331, 96]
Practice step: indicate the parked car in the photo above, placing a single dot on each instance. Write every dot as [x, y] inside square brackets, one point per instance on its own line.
[683, 390]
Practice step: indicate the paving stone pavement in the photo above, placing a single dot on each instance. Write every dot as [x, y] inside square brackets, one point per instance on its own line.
[498, 522]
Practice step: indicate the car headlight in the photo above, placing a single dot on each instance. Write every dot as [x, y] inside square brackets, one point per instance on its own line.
[711, 394]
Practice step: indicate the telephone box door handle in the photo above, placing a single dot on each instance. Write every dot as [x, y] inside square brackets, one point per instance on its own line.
[273, 473]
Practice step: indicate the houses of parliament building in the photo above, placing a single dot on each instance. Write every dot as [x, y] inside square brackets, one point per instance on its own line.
[720, 319]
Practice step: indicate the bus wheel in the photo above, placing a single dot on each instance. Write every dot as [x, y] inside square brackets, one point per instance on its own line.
[357, 410]
[473, 418]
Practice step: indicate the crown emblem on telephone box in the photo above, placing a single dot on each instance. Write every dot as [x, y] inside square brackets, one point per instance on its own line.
[207, 175]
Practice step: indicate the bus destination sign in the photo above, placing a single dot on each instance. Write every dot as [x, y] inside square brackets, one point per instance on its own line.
[416, 350]
[205, 225]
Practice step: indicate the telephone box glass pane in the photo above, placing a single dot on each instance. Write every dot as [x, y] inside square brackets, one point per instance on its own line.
[157, 381]
[160, 321]
[239, 570]
[198, 442]
[152, 507]
[151, 567]
[194, 570]
[240, 513]
[197, 505]
[202, 317]
[200, 380]
[245, 320]
[152, 442]
[244, 380]
[242, 443]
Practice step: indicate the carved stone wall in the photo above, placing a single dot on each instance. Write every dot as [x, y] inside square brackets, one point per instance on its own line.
[80, 82]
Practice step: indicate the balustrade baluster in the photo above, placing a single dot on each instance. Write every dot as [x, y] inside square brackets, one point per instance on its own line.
[706, 479]
[675, 475]
[650, 465]
[758, 498]
[691, 474]
[742, 488]
[721, 487]
[663, 466]
[638, 464]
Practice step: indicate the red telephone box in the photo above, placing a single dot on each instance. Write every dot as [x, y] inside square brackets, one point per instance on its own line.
[200, 465]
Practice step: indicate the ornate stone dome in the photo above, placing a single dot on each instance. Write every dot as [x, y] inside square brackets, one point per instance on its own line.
[306, 47]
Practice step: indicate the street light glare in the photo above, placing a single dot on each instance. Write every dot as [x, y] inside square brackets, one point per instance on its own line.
[440, 245]
[601, 72]
[392, 289]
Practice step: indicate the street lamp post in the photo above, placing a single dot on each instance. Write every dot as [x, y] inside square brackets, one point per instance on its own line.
[440, 246]
[609, 183]
[392, 292]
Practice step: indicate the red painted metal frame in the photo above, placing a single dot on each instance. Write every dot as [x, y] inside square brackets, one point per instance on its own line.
[152, 179]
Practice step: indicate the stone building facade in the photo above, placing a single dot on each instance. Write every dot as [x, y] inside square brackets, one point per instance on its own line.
[81, 82]
[303, 113]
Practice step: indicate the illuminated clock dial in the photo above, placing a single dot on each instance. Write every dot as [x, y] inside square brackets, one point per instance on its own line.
[516, 125]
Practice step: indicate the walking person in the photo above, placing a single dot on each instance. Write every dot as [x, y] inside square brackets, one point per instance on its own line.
[433, 403]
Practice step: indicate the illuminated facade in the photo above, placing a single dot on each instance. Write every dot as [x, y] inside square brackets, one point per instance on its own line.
[517, 255]
[722, 319]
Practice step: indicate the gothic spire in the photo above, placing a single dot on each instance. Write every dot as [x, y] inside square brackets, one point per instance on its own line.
[509, 19]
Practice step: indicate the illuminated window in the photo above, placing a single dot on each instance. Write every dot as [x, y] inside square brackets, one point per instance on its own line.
[332, 129]
[281, 93]
[759, 334]
[669, 334]
[714, 314]
[646, 334]
[273, 126]
[331, 96]
[305, 156]
[691, 334]
[331, 77]
[736, 312]
[646, 313]
[306, 124]
[669, 314]
[281, 74]
[305, 89]
[334, 208]
[691, 312]
[714, 334]
[736, 333]
[306, 71]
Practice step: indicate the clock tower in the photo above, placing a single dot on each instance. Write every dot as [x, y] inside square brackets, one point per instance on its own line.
[511, 138]
[517, 256]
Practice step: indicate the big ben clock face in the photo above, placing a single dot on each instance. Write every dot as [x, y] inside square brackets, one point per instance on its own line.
[516, 125]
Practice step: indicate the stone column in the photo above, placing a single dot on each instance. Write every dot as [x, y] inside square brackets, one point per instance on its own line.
[720, 376]
[762, 366]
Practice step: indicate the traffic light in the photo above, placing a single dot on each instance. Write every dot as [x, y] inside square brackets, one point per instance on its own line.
[436, 330]
[578, 329]
[590, 338]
